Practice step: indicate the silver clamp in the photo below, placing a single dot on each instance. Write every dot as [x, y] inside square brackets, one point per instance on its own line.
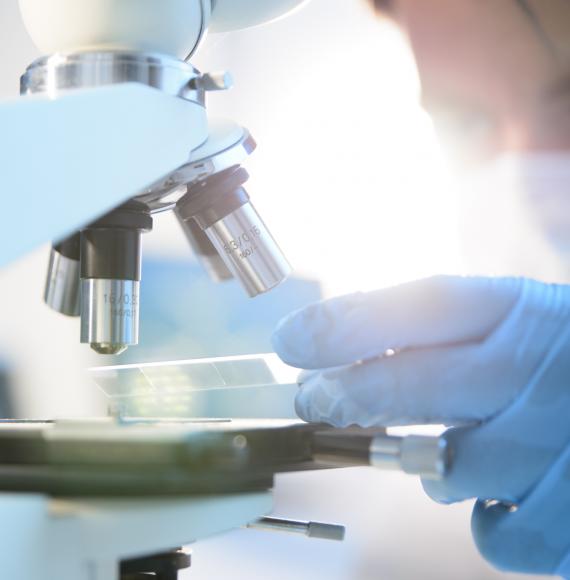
[414, 454]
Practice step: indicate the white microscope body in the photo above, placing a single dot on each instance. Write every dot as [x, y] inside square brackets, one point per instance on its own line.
[73, 152]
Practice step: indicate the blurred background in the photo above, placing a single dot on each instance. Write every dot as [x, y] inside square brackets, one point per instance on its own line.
[350, 178]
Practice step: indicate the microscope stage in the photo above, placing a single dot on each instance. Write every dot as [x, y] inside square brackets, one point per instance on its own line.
[151, 457]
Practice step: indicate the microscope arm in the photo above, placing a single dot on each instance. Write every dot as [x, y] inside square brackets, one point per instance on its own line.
[65, 161]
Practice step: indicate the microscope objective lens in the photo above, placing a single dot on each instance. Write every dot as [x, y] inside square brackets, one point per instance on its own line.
[228, 223]
[110, 279]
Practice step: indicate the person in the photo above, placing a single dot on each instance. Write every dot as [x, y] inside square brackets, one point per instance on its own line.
[488, 357]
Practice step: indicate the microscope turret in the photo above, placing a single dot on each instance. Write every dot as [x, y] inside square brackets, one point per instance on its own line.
[95, 273]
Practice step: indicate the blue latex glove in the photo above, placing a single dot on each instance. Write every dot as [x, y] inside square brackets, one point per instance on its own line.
[490, 354]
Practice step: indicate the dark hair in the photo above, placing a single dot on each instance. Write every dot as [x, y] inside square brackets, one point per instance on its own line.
[385, 6]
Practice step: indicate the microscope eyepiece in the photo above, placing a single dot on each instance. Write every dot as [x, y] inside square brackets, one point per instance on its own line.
[222, 209]
[62, 284]
[110, 278]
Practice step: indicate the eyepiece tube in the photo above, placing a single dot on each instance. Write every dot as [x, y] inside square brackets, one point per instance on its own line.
[222, 209]
[110, 279]
[62, 284]
[203, 248]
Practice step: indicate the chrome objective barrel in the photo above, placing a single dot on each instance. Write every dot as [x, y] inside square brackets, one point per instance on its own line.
[249, 250]
[62, 284]
[110, 314]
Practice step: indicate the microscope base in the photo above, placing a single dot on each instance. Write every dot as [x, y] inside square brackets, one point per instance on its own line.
[87, 539]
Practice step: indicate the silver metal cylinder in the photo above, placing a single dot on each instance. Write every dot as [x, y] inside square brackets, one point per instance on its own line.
[319, 530]
[109, 314]
[249, 250]
[62, 284]
[206, 253]
[385, 452]
[428, 456]
[414, 454]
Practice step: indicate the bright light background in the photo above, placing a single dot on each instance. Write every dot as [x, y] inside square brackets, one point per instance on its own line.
[348, 173]
[349, 177]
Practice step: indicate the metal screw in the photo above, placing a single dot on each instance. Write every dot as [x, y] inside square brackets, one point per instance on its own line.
[215, 81]
[310, 529]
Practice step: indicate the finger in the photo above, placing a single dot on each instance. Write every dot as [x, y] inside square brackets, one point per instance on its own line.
[535, 536]
[504, 457]
[509, 544]
[489, 464]
[480, 467]
[449, 385]
[434, 311]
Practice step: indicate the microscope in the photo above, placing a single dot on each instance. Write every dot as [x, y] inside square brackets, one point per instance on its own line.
[95, 273]
[110, 131]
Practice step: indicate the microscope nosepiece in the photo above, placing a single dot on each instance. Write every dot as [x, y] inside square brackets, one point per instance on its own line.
[223, 211]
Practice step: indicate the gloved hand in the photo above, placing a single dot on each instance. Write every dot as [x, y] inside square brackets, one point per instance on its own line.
[492, 355]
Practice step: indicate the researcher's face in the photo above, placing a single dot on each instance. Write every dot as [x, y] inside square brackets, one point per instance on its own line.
[493, 71]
